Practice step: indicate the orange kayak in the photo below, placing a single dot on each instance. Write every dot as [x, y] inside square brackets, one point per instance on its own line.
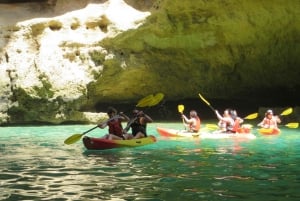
[269, 131]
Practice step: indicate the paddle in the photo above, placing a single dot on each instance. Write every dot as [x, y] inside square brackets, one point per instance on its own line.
[74, 138]
[145, 101]
[212, 126]
[180, 110]
[207, 103]
[149, 101]
[141, 103]
[286, 112]
[156, 99]
[292, 125]
[251, 116]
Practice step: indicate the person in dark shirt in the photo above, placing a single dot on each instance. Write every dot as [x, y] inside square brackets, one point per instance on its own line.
[138, 125]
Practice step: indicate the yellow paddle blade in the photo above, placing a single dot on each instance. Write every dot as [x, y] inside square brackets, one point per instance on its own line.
[204, 100]
[287, 111]
[180, 108]
[145, 101]
[74, 138]
[212, 126]
[251, 116]
[247, 126]
[156, 99]
[292, 125]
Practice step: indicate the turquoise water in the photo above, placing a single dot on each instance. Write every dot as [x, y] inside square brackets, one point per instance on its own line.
[36, 165]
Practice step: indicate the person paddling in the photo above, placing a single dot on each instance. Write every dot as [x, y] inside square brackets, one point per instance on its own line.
[237, 121]
[269, 121]
[138, 125]
[115, 129]
[193, 123]
[226, 122]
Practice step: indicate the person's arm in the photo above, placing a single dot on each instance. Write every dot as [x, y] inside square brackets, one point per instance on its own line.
[278, 120]
[218, 115]
[261, 124]
[148, 119]
[124, 117]
[102, 125]
[240, 120]
[145, 118]
[186, 120]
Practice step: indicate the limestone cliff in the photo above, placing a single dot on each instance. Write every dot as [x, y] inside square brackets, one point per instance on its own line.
[61, 58]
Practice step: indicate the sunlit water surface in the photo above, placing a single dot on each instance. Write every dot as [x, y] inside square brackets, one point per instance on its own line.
[36, 165]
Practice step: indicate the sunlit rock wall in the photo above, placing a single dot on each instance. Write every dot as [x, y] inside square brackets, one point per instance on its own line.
[47, 55]
[61, 58]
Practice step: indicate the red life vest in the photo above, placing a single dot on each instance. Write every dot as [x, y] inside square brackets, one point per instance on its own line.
[115, 127]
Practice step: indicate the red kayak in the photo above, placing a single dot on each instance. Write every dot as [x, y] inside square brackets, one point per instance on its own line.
[100, 144]
[269, 131]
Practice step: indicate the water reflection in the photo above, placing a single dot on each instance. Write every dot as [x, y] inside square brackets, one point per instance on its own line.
[36, 165]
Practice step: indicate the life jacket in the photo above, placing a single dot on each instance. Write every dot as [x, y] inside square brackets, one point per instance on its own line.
[195, 128]
[236, 126]
[226, 125]
[115, 127]
[270, 123]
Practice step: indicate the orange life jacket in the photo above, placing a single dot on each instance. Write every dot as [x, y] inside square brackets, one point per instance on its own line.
[195, 128]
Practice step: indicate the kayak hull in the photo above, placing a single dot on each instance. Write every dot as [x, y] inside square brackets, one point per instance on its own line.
[91, 143]
[269, 131]
[172, 133]
[169, 132]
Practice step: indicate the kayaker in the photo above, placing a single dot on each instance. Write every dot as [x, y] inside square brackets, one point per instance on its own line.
[237, 121]
[138, 125]
[269, 121]
[193, 123]
[226, 122]
[115, 129]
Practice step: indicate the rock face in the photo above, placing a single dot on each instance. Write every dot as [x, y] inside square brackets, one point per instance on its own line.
[60, 59]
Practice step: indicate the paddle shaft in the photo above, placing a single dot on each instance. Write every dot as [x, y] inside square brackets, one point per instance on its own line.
[129, 123]
[89, 130]
[114, 117]
[132, 121]
[207, 103]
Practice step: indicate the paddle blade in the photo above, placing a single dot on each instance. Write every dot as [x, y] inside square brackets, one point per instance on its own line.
[287, 111]
[247, 126]
[292, 125]
[145, 101]
[212, 126]
[204, 100]
[72, 139]
[156, 99]
[252, 116]
[180, 108]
